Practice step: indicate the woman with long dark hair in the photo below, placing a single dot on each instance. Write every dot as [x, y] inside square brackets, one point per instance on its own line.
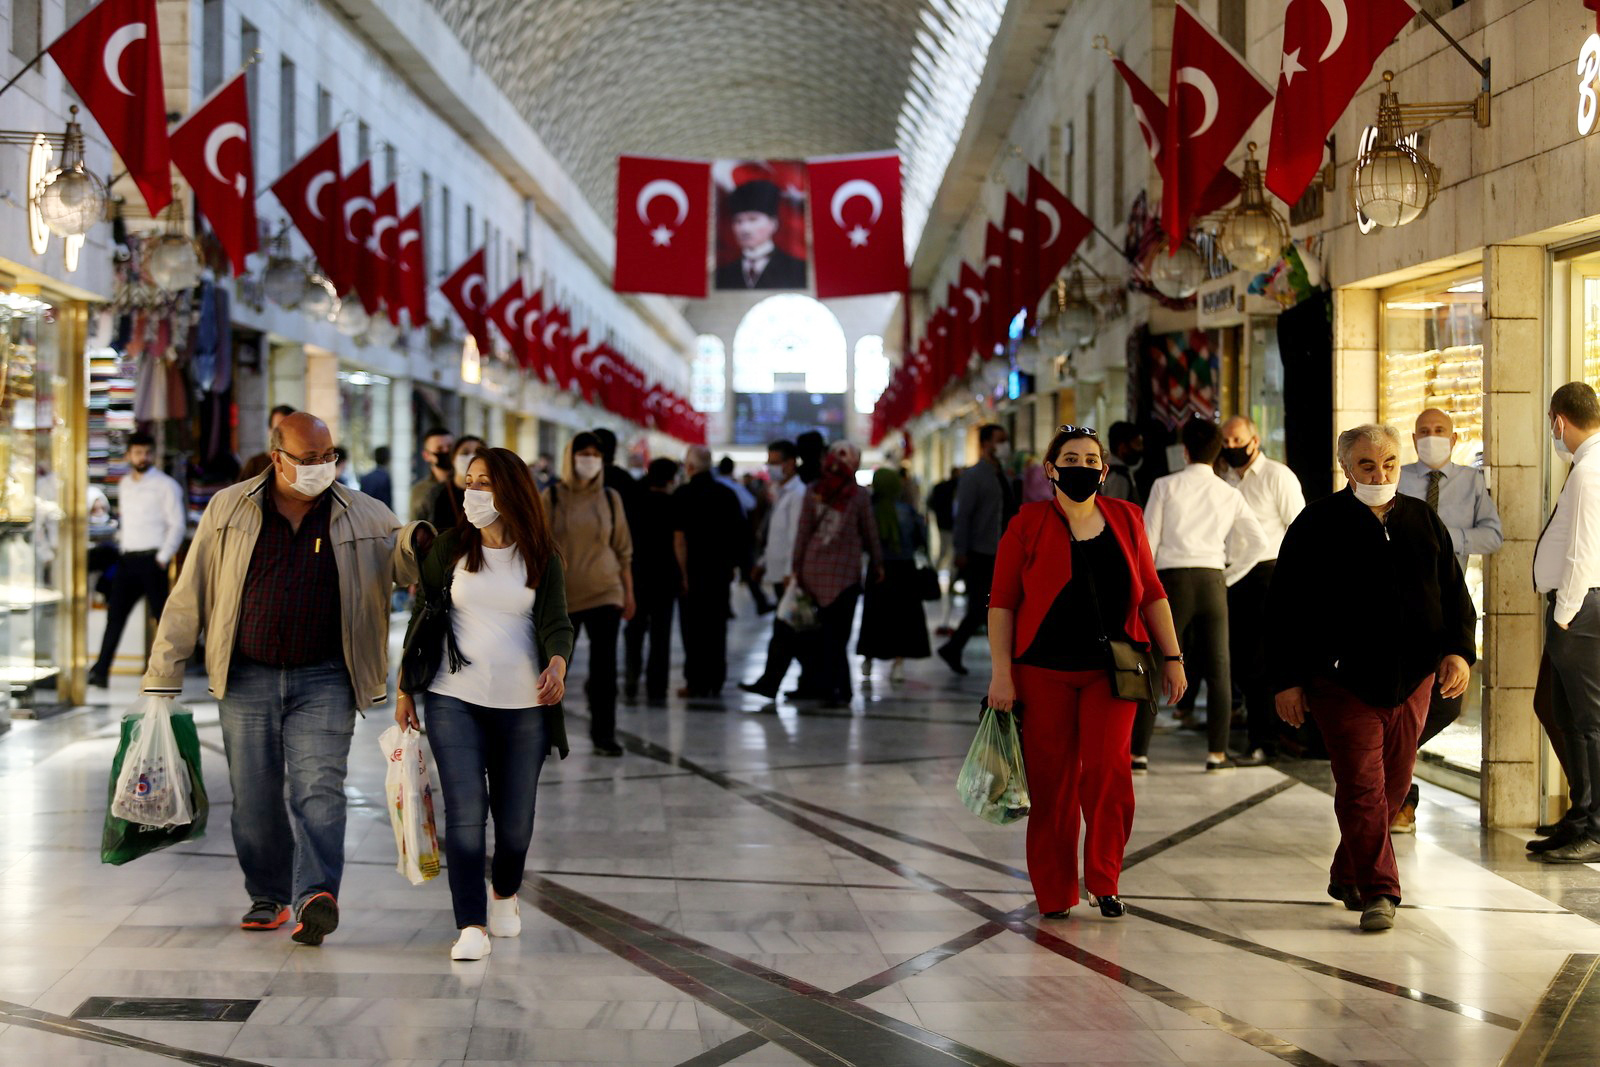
[1073, 574]
[494, 707]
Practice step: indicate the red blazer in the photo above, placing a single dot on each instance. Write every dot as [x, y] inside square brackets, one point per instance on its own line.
[1034, 564]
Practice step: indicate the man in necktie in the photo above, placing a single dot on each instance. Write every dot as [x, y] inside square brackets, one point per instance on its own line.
[753, 208]
[1460, 497]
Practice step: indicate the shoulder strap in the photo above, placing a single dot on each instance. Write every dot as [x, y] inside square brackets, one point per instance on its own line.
[1094, 590]
[611, 499]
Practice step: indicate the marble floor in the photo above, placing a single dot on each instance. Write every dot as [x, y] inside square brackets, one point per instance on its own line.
[754, 885]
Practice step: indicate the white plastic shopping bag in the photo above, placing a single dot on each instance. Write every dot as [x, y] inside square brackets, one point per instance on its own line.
[797, 610]
[410, 795]
[153, 788]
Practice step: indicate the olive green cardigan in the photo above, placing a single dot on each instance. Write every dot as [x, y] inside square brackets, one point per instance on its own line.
[553, 633]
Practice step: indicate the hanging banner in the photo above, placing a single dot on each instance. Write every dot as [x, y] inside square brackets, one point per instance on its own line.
[761, 224]
[856, 232]
[662, 218]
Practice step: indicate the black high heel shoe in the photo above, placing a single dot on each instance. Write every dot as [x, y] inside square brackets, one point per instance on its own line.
[1110, 906]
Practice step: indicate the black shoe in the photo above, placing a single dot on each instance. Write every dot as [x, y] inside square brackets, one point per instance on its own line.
[1110, 905]
[1378, 915]
[953, 658]
[97, 679]
[1564, 835]
[1062, 914]
[1348, 895]
[759, 690]
[319, 917]
[799, 695]
[1255, 758]
[1223, 764]
[609, 749]
[1581, 849]
[1549, 829]
[630, 694]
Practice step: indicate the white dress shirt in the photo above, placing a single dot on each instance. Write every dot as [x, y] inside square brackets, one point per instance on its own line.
[1274, 496]
[1465, 506]
[1567, 560]
[778, 559]
[1195, 519]
[153, 516]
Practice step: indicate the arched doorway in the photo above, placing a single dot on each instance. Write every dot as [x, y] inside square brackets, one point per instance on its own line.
[791, 371]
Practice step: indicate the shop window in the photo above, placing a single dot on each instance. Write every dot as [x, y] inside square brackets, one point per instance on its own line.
[872, 373]
[324, 113]
[286, 113]
[708, 379]
[26, 38]
[210, 46]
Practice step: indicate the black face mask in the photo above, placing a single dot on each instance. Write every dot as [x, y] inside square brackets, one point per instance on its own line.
[1134, 457]
[1078, 483]
[1236, 457]
[442, 460]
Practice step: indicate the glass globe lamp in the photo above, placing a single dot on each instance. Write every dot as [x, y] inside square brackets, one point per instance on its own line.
[1178, 276]
[381, 333]
[285, 282]
[1028, 354]
[70, 200]
[1253, 234]
[318, 300]
[172, 262]
[1394, 181]
[995, 372]
[351, 319]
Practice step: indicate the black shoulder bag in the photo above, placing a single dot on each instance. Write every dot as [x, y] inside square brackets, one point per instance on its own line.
[1133, 669]
[428, 639]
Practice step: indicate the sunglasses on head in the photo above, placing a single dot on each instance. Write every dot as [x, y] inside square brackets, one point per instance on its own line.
[1086, 431]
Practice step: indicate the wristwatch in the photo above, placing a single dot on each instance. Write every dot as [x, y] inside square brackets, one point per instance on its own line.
[1172, 659]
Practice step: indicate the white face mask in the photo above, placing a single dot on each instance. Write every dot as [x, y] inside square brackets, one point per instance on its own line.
[311, 479]
[1559, 440]
[1002, 451]
[479, 506]
[1433, 451]
[587, 467]
[462, 462]
[775, 473]
[1375, 496]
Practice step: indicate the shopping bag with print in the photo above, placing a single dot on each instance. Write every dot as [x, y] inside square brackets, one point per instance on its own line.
[992, 783]
[797, 610]
[163, 789]
[410, 796]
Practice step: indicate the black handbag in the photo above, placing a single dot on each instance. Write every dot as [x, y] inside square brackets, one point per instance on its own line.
[1133, 669]
[428, 638]
[928, 582]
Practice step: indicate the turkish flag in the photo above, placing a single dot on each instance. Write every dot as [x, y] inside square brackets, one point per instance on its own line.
[1329, 47]
[359, 211]
[112, 57]
[212, 149]
[1021, 259]
[960, 327]
[1059, 228]
[1212, 99]
[975, 309]
[312, 193]
[663, 226]
[411, 277]
[1150, 111]
[556, 336]
[506, 314]
[533, 353]
[382, 246]
[467, 292]
[856, 237]
[582, 351]
[997, 289]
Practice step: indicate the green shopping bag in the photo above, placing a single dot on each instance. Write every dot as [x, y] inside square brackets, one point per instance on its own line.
[122, 840]
[993, 784]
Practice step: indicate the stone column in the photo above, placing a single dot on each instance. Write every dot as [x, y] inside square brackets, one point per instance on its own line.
[1514, 449]
[322, 387]
[1355, 361]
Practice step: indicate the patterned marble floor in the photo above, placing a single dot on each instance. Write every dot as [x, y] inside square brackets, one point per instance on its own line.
[759, 886]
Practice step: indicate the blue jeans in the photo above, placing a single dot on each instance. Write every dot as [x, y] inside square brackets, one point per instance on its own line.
[489, 761]
[289, 725]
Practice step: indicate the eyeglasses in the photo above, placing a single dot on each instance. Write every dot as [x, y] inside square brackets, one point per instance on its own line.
[310, 461]
[1085, 431]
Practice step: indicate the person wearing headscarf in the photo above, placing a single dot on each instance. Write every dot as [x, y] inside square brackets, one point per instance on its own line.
[893, 626]
[836, 529]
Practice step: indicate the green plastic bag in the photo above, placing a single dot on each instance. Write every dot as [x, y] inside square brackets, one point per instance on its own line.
[122, 840]
[993, 784]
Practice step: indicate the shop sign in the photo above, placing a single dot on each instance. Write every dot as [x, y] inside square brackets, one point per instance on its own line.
[1588, 68]
[1217, 302]
[1369, 137]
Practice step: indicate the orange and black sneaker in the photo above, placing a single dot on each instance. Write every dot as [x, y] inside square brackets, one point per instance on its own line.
[319, 917]
[264, 915]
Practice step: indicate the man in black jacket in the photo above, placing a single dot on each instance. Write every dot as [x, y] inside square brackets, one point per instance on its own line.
[1367, 606]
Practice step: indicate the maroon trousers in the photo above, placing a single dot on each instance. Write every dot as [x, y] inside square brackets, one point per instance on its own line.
[1373, 751]
[1075, 737]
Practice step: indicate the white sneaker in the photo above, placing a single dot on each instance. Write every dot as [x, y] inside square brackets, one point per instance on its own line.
[505, 917]
[897, 673]
[473, 944]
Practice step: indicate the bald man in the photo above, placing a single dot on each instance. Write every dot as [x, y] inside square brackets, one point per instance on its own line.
[289, 578]
[1461, 498]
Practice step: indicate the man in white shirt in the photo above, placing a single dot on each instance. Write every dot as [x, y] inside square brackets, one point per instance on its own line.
[1275, 498]
[776, 564]
[1566, 568]
[154, 523]
[1205, 538]
[1460, 497]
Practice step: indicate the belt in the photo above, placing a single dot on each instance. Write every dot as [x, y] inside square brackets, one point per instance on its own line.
[142, 553]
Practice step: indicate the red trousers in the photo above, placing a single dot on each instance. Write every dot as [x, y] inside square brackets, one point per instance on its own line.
[1075, 737]
[1372, 751]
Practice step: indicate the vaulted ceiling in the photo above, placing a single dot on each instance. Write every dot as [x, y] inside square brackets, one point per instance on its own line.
[708, 79]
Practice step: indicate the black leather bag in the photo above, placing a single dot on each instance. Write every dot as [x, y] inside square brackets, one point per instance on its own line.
[1133, 669]
[428, 638]
[928, 582]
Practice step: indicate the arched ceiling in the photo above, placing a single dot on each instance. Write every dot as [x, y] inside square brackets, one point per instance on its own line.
[708, 79]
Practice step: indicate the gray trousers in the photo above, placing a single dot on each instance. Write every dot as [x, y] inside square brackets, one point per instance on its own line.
[1575, 705]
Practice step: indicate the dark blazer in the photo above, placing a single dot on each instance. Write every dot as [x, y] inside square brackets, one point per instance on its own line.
[783, 272]
[553, 633]
[1034, 565]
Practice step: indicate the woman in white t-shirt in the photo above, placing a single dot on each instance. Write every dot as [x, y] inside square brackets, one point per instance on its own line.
[493, 708]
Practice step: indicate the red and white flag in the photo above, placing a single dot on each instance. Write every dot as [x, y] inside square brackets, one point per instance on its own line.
[382, 246]
[1212, 99]
[663, 226]
[1150, 112]
[960, 329]
[467, 291]
[411, 289]
[975, 309]
[214, 151]
[997, 289]
[533, 353]
[1022, 259]
[358, 212]
[506, 314]
[1059, 228]
[312, 193]
[582, 351]
[112, 57]
[856, 236]
[1329, 47]
[555, 334]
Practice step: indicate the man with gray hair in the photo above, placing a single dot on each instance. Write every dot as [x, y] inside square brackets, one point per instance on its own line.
[710, 536]
[1368, 606]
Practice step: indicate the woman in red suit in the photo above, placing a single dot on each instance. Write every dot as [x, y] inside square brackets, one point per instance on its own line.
[1071, 573]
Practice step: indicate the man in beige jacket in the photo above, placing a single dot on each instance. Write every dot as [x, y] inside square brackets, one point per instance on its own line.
[288, 580]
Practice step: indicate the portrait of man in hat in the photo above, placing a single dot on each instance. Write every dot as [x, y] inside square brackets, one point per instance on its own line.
[753, 212]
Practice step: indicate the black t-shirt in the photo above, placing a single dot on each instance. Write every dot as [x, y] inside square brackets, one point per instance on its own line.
[1069, 639]
[713, 526]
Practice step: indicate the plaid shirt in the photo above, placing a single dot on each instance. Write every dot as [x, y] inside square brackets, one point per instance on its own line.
[289, 614]
[828, 565]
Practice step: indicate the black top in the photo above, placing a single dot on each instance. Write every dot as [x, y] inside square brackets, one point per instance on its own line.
[714, 529]
[942, 504]
[1069, 638]
[655, 564]
[1370, 605]
[444, 504]
[289, 612]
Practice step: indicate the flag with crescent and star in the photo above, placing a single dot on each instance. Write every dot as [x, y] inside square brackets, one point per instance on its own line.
[1329, 48]
[358, 212]
[506, 314]
[975, 309]
[1059, 228]
[959, 323]
[1022, 260]
[533, 354]
[411, 268]
[580, 352]
[857, 242]
[112, 57]
[997, 289]
[663, 226]
[212, 150]
[467, 290]
[1212, 98]
[1150, 112]
[382, 246]
[312, 193]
